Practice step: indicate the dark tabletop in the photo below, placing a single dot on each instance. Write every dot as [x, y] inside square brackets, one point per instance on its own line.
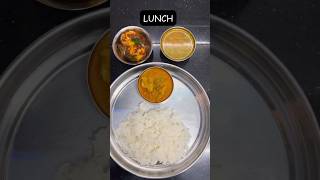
[290, 28]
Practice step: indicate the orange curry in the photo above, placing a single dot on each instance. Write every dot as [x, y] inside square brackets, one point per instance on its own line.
[155, 84]
[133, 45]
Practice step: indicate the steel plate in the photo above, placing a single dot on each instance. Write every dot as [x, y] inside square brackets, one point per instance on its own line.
[188, 99]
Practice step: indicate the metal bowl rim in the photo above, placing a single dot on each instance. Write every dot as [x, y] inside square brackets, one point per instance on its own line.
[116, 37]
[167, 72]
[194, 43]
[54, 5]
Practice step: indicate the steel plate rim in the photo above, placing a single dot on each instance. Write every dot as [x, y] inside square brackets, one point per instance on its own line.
[9, 70]
[36, 43]
[53, 5]
[275, 63]
[276, 60]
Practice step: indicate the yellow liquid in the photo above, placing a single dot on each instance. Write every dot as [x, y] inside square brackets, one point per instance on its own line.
[177, 44]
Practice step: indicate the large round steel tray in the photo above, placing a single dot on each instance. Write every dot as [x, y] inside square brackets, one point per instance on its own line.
[264, 127]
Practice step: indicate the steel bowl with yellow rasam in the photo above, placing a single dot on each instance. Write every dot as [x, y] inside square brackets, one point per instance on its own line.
[178, 44]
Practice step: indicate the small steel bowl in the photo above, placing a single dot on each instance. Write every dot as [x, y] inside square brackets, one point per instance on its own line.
[185, 31]
[117, 36]
[139, 80]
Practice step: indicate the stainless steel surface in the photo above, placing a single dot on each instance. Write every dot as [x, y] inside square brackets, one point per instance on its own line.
[189, 99]
[117, 36]
[49, 126]
[72, 4]
[263, 125]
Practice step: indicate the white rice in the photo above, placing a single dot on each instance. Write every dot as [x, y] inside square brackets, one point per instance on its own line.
[153, 136]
